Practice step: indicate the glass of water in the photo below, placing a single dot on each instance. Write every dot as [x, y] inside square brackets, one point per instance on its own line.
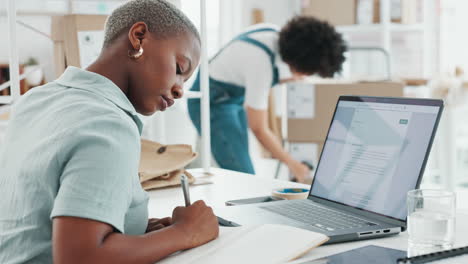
[431, 221]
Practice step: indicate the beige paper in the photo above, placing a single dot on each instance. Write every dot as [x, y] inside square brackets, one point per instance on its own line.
[162, 165]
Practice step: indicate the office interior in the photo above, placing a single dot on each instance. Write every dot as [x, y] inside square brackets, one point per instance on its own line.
[420, 44]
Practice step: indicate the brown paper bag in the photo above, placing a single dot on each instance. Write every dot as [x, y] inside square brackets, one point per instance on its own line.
[162, 165]
[170, 179]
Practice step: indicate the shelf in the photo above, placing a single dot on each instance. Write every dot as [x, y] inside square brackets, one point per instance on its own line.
[192, 94]
[377, 28]
[6, 99]
[406, 28]
[65, 7]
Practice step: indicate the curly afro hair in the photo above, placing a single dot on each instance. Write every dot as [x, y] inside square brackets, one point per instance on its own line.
[311, 46]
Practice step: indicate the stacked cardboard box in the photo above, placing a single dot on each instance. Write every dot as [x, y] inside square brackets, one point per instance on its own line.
[348, 12]
[311, 107]
[65, 35]
[336, 12]
[367, 11]
[5, 77]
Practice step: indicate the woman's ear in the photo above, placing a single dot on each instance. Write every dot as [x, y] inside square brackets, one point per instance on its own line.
[137, 33]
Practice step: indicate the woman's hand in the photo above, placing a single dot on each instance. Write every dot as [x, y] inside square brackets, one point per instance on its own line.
[197, 223]
[299, 170]
[156, 223]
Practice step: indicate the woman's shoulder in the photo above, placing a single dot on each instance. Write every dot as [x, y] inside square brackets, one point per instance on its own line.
[73, 111]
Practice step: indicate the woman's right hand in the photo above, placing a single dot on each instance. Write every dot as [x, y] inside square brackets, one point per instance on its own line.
[197, 223]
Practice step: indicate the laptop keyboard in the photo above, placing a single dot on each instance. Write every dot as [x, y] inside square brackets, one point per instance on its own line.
[319, 216]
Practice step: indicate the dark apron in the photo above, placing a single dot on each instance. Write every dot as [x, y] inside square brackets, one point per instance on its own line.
[229, 129]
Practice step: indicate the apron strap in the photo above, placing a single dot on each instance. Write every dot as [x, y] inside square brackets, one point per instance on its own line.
[245, 37]
[269, 52]
[243, 34]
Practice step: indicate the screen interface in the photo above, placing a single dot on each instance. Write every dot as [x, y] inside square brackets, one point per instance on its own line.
[374, 154]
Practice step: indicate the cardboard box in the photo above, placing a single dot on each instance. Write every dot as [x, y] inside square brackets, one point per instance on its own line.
[367, 11]
[395, 11]
[306, 152]
[411, 11]
[5, 112]
[336, 12]
[64, 33]
[312, 125]
[5, 77]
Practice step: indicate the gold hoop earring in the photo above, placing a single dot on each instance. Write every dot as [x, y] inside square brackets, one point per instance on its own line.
[136, 55]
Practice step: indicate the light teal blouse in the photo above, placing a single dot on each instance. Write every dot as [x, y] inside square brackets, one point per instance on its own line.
[72, 148]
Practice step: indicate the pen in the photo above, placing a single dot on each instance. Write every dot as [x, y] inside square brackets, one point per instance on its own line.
[185, 189]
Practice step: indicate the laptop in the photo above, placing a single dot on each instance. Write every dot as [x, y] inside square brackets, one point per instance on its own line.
[375, 151]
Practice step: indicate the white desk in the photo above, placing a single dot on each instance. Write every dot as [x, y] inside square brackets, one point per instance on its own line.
[230, 185]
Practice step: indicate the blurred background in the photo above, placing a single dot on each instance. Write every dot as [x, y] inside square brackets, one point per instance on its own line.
[418, 43]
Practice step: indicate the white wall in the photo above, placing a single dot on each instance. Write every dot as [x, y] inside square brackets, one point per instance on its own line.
[236, 15]
[275, 11]
[454, 37]
[30, 44]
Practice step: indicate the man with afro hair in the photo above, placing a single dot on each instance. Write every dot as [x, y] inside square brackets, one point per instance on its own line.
[242, 74]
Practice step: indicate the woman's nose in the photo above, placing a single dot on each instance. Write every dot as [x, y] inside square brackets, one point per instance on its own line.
[177, 91]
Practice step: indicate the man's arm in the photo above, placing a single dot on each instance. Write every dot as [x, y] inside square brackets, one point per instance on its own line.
[258, 123]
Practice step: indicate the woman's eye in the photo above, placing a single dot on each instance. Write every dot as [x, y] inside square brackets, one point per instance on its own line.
[178, 70]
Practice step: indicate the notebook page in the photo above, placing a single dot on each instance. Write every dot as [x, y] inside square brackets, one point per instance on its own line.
[266, 244]
[226, 235]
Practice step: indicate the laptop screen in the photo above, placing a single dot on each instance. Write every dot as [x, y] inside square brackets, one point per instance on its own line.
[374, 154]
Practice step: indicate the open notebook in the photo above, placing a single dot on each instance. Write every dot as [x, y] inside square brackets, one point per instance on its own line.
[252, 244]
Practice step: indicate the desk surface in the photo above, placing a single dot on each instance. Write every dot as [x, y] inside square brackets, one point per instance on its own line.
[230, 185]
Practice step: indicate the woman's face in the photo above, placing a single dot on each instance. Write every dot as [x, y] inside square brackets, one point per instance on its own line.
[157, 77]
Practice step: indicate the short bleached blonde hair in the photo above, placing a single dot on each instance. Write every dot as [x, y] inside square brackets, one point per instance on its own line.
[162, 18]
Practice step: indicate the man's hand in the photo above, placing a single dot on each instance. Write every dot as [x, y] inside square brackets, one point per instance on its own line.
[299, 170]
